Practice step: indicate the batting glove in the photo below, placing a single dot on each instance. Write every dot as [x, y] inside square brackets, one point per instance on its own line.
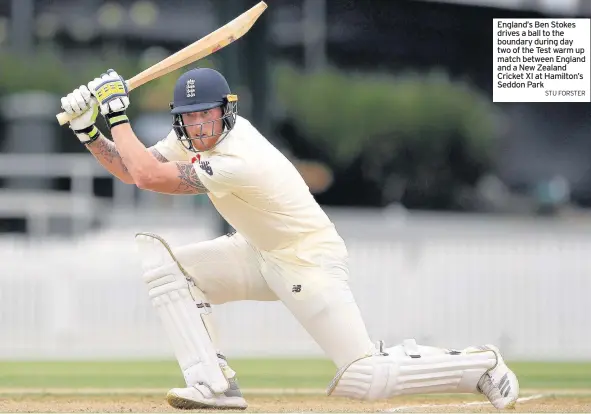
[111, 92]
[81, 104]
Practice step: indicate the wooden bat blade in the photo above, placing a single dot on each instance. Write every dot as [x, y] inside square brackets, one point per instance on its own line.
[203, 47]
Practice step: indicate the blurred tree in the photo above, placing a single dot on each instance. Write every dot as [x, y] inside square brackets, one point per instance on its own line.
[421, 140]
[49, 71]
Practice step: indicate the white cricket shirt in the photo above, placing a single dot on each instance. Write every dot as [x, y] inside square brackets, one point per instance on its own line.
[256, 189]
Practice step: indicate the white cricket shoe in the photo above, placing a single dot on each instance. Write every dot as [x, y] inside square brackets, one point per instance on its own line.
[200, 396]
[499, 384]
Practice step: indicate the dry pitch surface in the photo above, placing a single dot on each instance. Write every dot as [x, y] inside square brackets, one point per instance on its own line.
[149, 401]
[269, 386]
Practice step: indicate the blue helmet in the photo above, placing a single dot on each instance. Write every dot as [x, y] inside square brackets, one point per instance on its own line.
[198, 90]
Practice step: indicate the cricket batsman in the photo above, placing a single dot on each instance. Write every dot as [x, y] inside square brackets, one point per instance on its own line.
[284, 248]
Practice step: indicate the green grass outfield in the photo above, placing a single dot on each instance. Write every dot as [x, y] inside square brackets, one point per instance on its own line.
[259, 373]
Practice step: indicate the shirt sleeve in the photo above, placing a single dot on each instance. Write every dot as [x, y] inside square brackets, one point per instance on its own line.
[172, 149]
[221, 174]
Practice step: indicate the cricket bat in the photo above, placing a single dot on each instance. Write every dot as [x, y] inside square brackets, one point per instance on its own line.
[203, 47]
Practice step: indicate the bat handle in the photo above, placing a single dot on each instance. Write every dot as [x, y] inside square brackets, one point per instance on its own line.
[63, 118]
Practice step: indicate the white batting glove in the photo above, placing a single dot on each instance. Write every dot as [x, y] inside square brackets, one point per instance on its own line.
[111, 92]
[81, 104]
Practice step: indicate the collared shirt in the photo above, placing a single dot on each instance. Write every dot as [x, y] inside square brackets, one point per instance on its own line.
[256, 189]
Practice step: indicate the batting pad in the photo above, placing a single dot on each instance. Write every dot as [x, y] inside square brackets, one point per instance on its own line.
[181, 307]
[405, 369]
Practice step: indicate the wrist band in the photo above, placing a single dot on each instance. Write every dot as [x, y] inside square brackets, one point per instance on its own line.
[116, 118]
[92, 132]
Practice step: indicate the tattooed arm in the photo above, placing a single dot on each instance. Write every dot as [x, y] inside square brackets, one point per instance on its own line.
[175, 178]
[150, 173]
[107, 155]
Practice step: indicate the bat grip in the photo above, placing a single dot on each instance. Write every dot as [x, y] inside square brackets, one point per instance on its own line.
[63, 118]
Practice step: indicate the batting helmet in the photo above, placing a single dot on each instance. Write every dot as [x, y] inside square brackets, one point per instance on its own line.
[198, 90]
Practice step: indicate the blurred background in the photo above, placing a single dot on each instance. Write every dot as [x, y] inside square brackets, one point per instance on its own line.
[467, 221]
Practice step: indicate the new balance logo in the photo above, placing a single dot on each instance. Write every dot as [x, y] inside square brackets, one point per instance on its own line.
[206, 167]
[296, 288]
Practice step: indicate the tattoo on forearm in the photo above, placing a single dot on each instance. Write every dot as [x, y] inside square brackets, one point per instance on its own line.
[158, 155]
[190, 182]
[106, 150]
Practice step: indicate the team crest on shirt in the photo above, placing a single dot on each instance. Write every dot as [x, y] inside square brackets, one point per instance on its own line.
[204, 165]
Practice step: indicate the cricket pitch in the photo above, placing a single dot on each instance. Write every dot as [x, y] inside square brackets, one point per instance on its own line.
[148, 401]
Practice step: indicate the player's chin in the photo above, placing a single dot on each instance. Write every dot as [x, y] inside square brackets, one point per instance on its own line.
[203, 144]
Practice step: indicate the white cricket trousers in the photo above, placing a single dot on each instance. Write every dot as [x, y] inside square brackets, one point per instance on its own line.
[311, 282]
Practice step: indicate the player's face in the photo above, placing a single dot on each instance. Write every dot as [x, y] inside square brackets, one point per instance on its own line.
[207, 130]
